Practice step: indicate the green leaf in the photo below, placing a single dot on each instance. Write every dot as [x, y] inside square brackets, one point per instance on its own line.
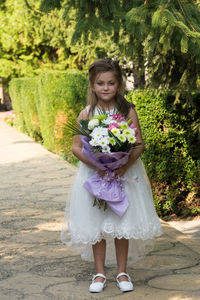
[84, 124]
[184, 44]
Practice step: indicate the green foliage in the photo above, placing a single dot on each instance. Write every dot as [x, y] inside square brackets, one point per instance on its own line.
[45, 103]
[42, 41]
[170, 35]
[161, 38]
[30, 113]
[15, 93]
[30, 39]
[22, 93]
[48, 5]
[61, 96]
[172, 148]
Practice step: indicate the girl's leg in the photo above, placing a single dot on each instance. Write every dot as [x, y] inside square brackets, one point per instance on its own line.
[99, 252]
[121, 246]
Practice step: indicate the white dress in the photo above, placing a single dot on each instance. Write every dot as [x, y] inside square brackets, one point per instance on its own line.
[85, 225]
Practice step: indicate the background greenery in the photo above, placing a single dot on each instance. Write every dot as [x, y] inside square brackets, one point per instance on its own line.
[161, 37]
[52, 43]
[172, 156]
[45, 103]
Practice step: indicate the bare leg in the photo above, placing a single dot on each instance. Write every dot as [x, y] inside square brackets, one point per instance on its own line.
[121, 246]
[99, 252]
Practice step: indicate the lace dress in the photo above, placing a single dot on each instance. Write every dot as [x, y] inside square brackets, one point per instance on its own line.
[85, 225]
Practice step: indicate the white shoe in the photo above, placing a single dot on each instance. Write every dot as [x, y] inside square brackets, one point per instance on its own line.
[97, 287]
[124, 286]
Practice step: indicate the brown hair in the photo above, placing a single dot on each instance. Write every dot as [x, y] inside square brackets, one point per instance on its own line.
[106, 65]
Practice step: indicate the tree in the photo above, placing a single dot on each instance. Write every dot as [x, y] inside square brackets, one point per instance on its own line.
[32, 40]
[171, 34]
[160, 36]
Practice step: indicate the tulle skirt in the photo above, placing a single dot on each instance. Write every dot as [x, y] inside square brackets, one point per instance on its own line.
[85, 225]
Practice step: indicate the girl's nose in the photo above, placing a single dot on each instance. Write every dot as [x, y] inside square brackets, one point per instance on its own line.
[105, 87]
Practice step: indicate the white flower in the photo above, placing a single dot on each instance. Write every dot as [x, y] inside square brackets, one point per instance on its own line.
[103, 142]
[92, 123]
[132, 139]
[115, 131]
[108, 121]
[122, 138]
[123, 125]
[94, 142]
[128, 132]
[106, 149]
[112, 141]
[99, 132]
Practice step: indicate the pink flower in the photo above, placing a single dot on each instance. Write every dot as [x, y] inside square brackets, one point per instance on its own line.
[118, 117]
[131, 125]
[113, 125]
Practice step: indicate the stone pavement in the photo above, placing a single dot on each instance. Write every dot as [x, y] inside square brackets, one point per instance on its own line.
[35, 265]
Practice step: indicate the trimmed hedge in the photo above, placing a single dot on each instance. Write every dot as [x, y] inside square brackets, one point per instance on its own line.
[15, 94]
[22, 93]
[61, 96]
[172, 156]
[45, 103]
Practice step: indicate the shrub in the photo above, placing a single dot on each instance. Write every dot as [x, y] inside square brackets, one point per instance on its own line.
[15, 94]
[45, 103]
[23, 99]
[172, 156]
[60, 98]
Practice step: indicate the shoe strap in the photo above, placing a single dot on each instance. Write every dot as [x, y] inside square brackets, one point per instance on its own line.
[125, 274]
[98, 275]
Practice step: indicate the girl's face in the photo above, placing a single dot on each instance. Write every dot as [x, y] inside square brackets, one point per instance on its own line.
[105, 86]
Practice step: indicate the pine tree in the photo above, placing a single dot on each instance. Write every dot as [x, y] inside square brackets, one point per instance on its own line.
[160, 36]
[170, 33]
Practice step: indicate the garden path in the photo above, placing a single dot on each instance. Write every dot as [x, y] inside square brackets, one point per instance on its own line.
[34, 264]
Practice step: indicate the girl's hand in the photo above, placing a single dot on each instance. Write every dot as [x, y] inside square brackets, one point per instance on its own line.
[101, 173]
[121, 171]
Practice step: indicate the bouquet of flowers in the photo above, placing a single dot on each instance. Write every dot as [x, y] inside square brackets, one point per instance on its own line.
[107, 142]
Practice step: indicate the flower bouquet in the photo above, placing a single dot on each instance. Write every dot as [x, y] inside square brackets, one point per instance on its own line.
[107, 142]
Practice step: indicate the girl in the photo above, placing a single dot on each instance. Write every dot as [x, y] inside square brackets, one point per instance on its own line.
[95, 228]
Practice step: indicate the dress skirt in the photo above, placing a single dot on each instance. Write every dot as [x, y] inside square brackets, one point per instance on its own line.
[84, 224]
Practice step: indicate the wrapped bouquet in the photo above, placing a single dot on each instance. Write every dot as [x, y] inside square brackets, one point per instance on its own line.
[107, 142]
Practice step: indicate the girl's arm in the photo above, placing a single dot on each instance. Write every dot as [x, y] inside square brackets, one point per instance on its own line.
[77, 151]
[136, 151]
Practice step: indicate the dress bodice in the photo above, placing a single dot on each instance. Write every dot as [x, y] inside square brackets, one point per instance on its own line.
[98, 111]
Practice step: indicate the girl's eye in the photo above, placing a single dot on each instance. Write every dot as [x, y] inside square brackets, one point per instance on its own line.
[101, 83]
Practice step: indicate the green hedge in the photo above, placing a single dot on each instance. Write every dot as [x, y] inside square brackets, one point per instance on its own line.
[172, 155]
[22, 93]
[61, 96]
[15, 94]
[45, 103]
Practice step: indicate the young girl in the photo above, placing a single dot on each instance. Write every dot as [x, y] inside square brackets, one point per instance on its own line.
[94, 229]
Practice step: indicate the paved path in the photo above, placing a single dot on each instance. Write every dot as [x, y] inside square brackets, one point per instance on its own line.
[189, 227]
[34, 265]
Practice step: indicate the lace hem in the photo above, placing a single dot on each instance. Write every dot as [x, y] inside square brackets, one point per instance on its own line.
[108, 231]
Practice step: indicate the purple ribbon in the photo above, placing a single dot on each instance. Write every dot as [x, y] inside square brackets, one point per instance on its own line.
[107, 188]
